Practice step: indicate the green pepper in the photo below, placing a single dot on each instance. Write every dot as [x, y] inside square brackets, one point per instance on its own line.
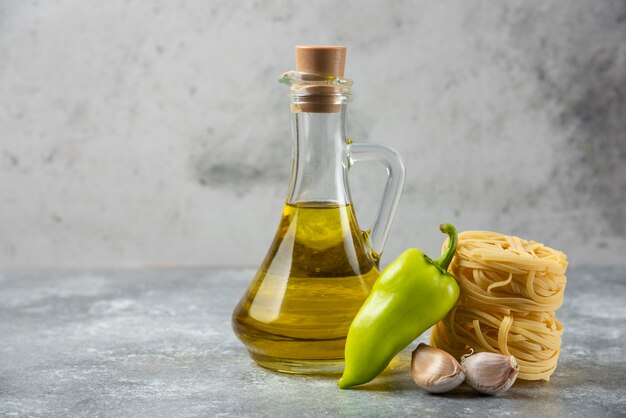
[412, 294]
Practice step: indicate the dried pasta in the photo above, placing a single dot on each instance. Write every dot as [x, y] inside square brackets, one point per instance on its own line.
[510, 289]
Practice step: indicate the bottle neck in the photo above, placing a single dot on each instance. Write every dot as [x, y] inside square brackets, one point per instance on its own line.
[320, 158]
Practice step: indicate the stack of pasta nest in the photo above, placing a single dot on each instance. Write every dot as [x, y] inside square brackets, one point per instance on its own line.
[510, 290]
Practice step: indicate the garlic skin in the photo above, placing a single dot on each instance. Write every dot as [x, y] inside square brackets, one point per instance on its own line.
[490, 373]
[435, 370]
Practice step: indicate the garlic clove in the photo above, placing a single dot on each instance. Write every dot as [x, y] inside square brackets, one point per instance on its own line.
[435, 370]
[490, 373]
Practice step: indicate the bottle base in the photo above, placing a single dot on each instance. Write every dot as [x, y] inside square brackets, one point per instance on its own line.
[295, 366]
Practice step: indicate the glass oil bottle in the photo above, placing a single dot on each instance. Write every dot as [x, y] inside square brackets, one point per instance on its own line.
[295, 315]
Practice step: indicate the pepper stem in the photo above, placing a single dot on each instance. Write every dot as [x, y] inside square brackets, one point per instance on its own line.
[446, 258]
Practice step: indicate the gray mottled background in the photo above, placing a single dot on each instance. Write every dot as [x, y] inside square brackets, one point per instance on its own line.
[154, 132]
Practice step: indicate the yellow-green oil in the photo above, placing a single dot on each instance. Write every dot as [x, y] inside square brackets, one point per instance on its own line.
[295, 315]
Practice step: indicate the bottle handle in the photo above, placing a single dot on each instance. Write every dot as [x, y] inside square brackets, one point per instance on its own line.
[379, 231]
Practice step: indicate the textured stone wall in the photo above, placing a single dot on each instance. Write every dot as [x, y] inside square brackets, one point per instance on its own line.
[154, 132]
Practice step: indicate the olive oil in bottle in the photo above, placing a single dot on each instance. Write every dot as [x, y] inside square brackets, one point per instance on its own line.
[295, 315]
[319, 270]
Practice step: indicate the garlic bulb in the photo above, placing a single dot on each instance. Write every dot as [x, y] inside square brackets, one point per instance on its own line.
[435, 370]
[490, 373]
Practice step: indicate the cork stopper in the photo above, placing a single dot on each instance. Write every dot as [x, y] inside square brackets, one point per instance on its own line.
[327, 60]
[321, 59]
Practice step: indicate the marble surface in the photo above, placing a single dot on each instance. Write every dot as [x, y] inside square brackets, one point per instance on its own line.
[158, 342]
[150, 131]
